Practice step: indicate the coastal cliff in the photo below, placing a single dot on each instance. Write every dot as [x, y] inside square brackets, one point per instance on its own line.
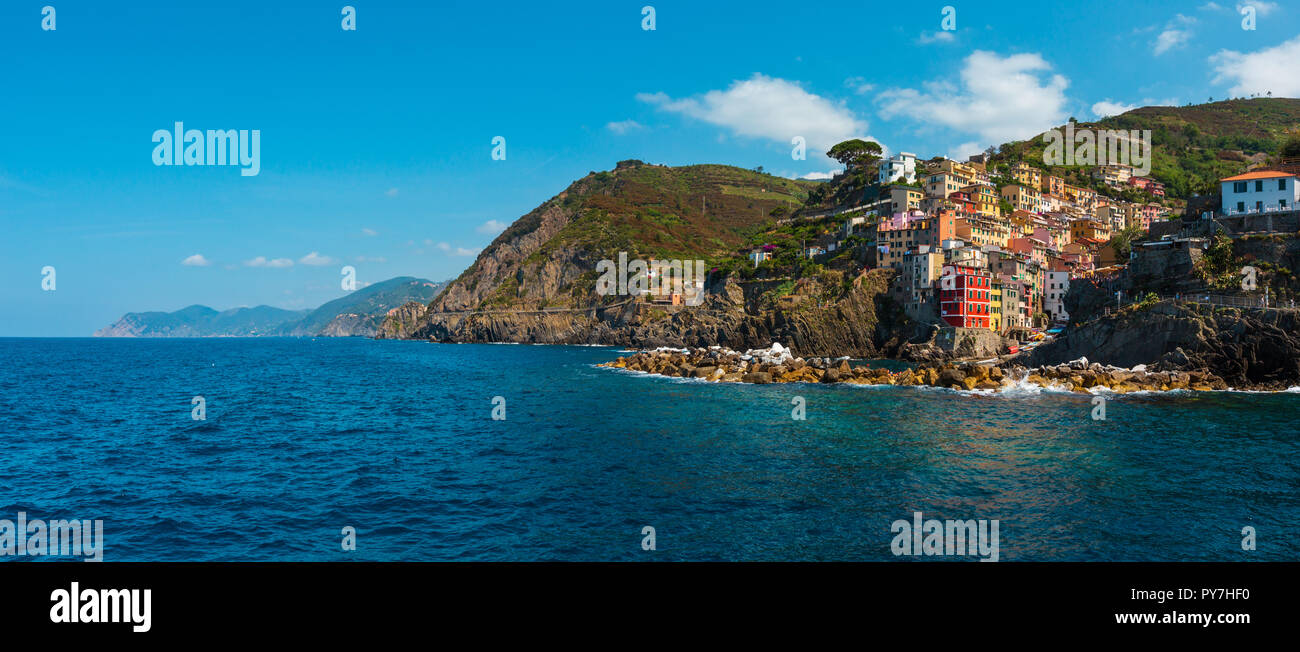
[863, 322]
[1248, 348]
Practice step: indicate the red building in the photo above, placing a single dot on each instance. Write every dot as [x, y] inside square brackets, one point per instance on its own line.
[964, 294]
[1148, 184]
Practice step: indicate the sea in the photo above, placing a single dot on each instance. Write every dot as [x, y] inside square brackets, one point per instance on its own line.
[351, 449]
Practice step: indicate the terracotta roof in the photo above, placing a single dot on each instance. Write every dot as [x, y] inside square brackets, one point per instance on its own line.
[1263, 174]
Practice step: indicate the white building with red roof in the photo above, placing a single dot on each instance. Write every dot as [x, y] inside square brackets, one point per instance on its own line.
[1264, 191]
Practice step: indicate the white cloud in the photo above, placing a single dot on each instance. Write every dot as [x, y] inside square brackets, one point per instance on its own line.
[262, 261]
[491, 227]
[1000, 98]
[964, 151]
[1170, 39]
[771, 109]
[391, 192]
[371, 259]
[369, 232]
[1211, 6]
[1261, 8]
[1270, 69]
[1107, 108]
[860, 85]
[461, 251]
[316, 260]
[197, 260]
[442, 246]
[623, 127]
[1176, 32]
[941, 36]
[819, 176]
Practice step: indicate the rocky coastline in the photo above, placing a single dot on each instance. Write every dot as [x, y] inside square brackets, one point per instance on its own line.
[778, 364]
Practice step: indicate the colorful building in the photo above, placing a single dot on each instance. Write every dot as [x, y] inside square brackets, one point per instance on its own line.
[1053, 185]
[985, 199]
[1113, 175]
[907, 231]
[1148, 184]
[1027, 175]
[903, 199]
[1089, 229]
[944, 184]
[995, 306]
[964, 171]
[964, 296]
[1023, 198]
[979, 230]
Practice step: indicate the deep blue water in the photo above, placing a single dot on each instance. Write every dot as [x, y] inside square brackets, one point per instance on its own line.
[304, 437]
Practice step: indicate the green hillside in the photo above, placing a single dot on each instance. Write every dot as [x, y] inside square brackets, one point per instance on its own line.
[372, 300]
[697, 211]
[1195, 146]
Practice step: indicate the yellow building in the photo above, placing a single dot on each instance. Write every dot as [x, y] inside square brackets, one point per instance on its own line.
[960, 170]
[903, 199]
[1023, 199]
[1082, 197]
[1112, 175]
[1021, 223]
[1053, 185]
[995, 306]
[985, 200]
[1091, 229]
[944, 184]
[983, 231]
[1027, 175]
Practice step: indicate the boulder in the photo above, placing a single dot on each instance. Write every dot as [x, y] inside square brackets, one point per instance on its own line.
[951, 377]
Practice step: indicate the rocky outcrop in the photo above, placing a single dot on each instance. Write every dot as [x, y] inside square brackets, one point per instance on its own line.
[401, 322]
[777, 364]
[863, 322]
[951, 343]
[1248, 348]
[351, 325]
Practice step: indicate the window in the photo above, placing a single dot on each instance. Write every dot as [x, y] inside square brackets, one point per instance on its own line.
[1239, 186]
[1259, 185]
[1281, 184]
[1241, 207]
[1259, 206]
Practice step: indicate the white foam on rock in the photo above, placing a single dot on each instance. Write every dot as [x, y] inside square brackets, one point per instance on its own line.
[774, 354]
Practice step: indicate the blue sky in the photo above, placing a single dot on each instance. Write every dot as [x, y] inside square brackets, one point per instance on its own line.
[376, 143]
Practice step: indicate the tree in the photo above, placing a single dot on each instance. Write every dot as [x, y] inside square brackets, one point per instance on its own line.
[1291, 149]
[856, 153]
[1122, 242]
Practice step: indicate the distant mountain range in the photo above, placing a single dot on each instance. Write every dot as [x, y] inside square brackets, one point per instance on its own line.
[357, 314]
